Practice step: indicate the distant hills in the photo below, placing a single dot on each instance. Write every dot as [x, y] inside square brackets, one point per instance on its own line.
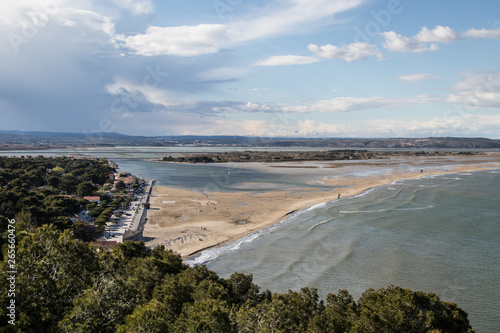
[44, 140]
[59, 134]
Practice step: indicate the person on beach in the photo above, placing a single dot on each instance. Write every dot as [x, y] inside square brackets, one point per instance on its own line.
[338, 196]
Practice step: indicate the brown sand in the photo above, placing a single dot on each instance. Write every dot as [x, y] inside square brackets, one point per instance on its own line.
[188, 222]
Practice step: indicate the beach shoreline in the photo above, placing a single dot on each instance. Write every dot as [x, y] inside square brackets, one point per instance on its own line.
[190, 222]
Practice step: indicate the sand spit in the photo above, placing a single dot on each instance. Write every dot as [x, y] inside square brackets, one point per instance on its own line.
[189, 222]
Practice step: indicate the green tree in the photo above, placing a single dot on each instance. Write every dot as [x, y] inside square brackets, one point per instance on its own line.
[57, 171]
[60, 205]
[167, 261]
[96, 211]
[120, 186]
[152, 317]
[68, 184]
[25, 221]
[241, 288]
[394, 309]
[53, 268]
[208, 315]
[338, 316]
[106, 199]
[127, 278]
[53, 181]
[102, 307]
[92, 205]
[284, 313]
[177, 291]
[84, 231]
[128, 250]
[85, 189]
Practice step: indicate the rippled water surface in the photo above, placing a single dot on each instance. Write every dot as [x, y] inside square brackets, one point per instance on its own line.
[436, 234]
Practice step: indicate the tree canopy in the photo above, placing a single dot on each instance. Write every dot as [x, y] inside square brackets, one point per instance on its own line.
[40, 190]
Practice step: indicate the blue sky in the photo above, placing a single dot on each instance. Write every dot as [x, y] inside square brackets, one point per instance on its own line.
[298, 68]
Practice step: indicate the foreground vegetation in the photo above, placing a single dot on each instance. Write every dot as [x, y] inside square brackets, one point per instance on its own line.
[298, 156]
[65, 285]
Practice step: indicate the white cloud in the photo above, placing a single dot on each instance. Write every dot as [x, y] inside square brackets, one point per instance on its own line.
[287, 126]
[278, 17]
[87, 21]
[34, 15]
[482, 33]
[417, 77]
[351, 52]
[248, 107]
[256, 127]
[204, 117]
[348, 104]
[460, 124]
[463, 125]
[420, 42]
[283, 17]
[181, 40]
[131, 95]
[287, 60]
[14, 12]
[439, 34]
[274, 127]
[287, 17]
[61, 23]
[339, 104]
[477, 90]
[312, 128]
[137, 7]
[397, 43]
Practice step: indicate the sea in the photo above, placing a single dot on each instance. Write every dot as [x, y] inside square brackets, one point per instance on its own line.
[437, 234]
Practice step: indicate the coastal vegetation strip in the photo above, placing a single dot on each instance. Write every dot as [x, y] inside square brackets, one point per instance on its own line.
[301, 156]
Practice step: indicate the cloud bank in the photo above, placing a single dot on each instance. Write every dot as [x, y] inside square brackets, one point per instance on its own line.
[426, 39]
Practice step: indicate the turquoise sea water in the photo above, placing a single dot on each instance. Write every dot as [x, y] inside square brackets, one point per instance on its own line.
[437, 234]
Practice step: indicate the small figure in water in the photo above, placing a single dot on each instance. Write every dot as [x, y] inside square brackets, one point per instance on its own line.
[338, 196]
[422, 171]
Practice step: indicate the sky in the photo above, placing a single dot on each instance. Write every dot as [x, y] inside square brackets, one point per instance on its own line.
[276, 68]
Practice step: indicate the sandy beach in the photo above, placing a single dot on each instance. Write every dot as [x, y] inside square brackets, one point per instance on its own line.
[189, 222]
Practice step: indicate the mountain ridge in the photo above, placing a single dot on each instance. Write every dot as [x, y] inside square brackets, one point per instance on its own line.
[43, 140]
